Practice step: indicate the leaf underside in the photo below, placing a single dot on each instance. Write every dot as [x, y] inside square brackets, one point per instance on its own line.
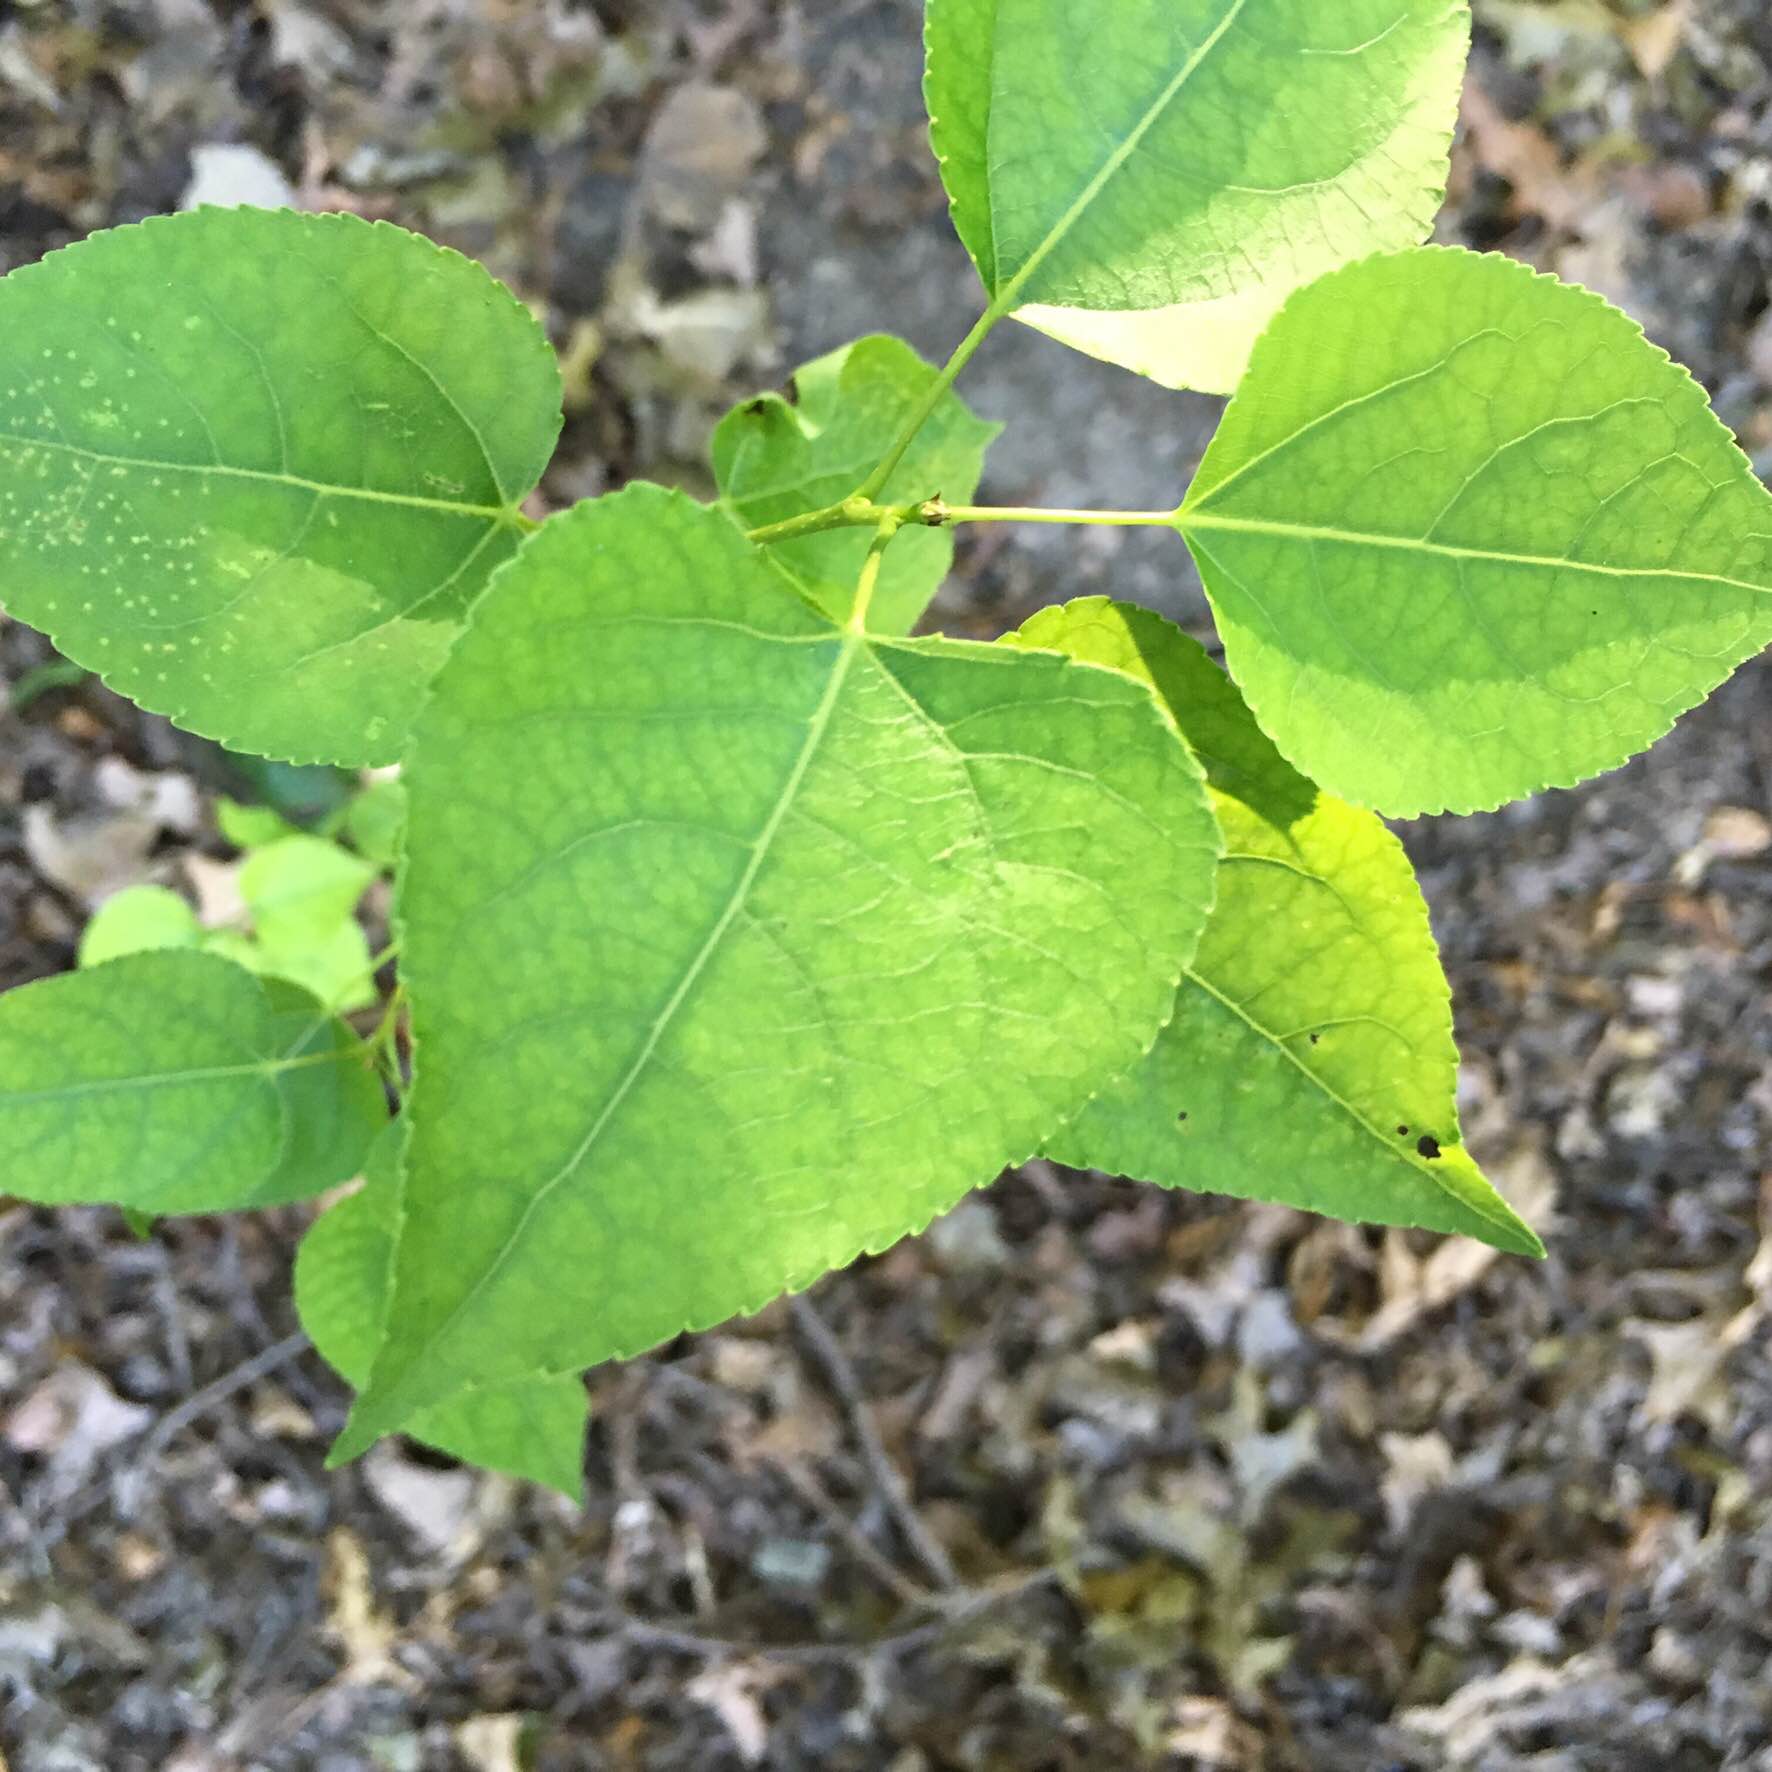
[710, 913]
[1310, 1060]
[177, 1082]
[255, 466]
[1149, 181]
[775, 460]
[533, 1429]
[1467, 535]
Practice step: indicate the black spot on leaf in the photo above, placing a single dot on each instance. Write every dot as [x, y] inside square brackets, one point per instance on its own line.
[1402, 1131]
[1428, 1145]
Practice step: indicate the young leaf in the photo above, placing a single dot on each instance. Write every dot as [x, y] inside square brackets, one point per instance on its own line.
[775, 460]
[252, 827]
[532, 1428]
[139, 920]
[376, 823]
[302, 894]
[255, 466]
[1468, 535]
[740, 944]
[173, 1082]
[1148, 181]
[1310, 1060]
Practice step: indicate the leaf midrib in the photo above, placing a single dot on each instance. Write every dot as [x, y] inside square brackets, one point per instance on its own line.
[853, 643]
[264, 1068]
[1009, 293]
[1200, 519]
[1417, 1165]
[263, 477]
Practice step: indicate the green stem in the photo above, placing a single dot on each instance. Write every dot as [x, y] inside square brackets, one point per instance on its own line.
[852, 513]
[939, 512]
[875, 483]
[865, 586]
[381, 1049]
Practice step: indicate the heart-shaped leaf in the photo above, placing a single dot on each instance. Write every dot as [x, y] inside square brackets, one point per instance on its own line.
[255, 466]
[1468, 535]
[1310, 1060]
[740, 944]
[775, 460]
[1149, 180]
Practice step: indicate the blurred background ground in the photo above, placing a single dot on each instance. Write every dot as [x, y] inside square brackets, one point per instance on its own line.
[1193, 1486]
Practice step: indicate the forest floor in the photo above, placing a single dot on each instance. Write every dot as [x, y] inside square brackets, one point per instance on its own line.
[1090, 1476]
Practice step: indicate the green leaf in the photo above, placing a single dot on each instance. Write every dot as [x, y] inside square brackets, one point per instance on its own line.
[533, 1428]
[376, 823]
[775, 460]
[331, 1111]
[251, 827]
[139, 920]
[1311, 1059]
[740, 944]
[1149, 181]
[174, 1082]
[302, 895]
[255, 466]
[1468, 535]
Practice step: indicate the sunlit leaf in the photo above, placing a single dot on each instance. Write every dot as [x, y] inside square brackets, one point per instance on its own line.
[1468, 535]
[1149, 180]
[739, 943]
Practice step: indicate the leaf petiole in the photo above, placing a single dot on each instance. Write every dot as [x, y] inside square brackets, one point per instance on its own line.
[871, 488]
[865, 586]
[937, 513]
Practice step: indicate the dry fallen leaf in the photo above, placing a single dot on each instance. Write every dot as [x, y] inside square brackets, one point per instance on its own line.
[1415, 1466]
[364, 1635]
[1526, 157]
[1655, 39]
[1686, 1371]
[1208, 1731]
[730, 1690]
[71, 1419]
[492, 1744]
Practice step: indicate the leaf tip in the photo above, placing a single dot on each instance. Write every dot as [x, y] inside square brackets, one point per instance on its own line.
[369, 1421]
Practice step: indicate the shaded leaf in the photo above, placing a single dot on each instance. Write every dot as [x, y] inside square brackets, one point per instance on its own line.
[1310, 1060]
[376, 822]
[174, 1082]
[531, 1428]
[331, 1111]
[255, 466]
